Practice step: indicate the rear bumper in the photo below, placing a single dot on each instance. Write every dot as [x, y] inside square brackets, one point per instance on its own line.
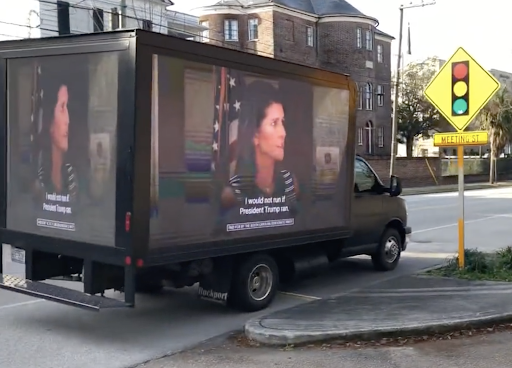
[408, 233]
[58, 294]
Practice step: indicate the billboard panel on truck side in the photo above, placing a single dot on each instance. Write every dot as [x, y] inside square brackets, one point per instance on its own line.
[237, 154]
[62, 121]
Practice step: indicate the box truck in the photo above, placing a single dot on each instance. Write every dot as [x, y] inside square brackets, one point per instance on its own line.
[134, 160]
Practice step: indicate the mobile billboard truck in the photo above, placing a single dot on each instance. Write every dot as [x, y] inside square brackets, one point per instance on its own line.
[135, 159]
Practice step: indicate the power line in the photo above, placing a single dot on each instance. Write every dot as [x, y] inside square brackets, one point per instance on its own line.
[26, 26]
[11, 36]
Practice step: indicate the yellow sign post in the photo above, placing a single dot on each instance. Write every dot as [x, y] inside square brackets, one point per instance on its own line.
[459, 91]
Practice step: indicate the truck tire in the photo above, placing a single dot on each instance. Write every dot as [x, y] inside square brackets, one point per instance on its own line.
[389, 251]
[254, 283]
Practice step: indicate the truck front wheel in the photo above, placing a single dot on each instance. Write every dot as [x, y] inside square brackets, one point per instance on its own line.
[388, 253]
[254, 283]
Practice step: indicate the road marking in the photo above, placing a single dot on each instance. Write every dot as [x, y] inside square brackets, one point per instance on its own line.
[440, 293]
[427, 255]
[409, 209]
[455, 224]
[440, 289]
[21, 304]
[301, 296]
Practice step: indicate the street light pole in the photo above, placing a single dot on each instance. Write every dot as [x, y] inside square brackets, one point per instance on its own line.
[394, 123]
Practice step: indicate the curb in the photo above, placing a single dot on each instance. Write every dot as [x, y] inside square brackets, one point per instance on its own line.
[423, 271]
[254, 331]
[414, 191]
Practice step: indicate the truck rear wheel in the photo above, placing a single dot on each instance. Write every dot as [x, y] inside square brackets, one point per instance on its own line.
[388, 253]
[254, 283]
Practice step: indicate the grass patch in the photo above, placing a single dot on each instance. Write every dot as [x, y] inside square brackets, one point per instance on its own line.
[479, 265]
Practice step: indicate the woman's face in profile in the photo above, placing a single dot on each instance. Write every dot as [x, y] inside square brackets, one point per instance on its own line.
[60, 124]
[269, 139]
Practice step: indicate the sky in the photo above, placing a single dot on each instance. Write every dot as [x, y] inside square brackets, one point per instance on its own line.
[480, 27]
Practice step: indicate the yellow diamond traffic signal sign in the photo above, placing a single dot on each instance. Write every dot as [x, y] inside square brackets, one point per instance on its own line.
[461, 89]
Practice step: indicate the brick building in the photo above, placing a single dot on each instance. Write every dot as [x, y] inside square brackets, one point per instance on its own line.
[328, 34]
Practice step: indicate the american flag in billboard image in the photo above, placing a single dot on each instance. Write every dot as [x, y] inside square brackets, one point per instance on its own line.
[36, 123]
[229, 91]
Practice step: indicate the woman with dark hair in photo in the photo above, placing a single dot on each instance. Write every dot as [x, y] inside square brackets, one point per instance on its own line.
[261, 144]
[55, 173]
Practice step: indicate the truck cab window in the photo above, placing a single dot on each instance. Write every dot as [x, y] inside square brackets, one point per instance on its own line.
[364, 178]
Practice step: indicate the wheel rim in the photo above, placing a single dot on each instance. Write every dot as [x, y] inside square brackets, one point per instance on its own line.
[260, 282]
[391, 250]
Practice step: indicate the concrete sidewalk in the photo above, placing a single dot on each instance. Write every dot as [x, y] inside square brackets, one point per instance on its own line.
[453, 188]
[407, 305]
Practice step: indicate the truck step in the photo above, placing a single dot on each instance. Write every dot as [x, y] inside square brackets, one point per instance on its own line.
[59, 294]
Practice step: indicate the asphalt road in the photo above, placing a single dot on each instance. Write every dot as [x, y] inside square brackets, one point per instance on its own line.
[58, 336]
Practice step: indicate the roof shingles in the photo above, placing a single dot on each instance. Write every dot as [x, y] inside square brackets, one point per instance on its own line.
[317, 7]
[321, 8]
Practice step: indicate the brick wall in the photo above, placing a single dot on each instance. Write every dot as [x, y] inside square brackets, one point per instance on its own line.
[414, 172]
[339, 52]
[263, 46]
[290, 40]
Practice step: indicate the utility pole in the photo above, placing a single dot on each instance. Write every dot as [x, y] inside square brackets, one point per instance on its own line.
[394, 124]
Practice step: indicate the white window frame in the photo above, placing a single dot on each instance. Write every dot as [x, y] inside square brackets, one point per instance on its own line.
[359, 136]
[360, 99]
[205, 35]
[310, 34]
[252, 27]
[380, 55]
[380, 137]
[368, 96]
[380, 95]
[359, 38]
[231, 30]
[369, 40]
[369, 137]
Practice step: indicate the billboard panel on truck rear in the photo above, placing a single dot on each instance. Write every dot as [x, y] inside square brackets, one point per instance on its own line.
[237, 154]
[62, 119]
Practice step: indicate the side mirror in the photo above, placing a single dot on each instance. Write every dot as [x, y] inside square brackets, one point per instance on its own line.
[395, 186]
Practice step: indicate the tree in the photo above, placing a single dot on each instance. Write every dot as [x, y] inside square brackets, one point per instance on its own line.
[496, 118]
[417, 117]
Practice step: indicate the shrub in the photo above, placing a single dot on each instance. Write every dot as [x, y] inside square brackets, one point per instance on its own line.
[504, 258]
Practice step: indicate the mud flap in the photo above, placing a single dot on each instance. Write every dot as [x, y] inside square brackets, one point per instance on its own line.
[215, 285]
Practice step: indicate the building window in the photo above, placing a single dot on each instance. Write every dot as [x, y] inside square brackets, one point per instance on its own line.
[289, 30]
[359, 38]
[309, 36]
[368, 96]
[360, 97]
[64, 25]
[147, 25]
[205, 35]
[97, 20]
[380, 95]
[380, 56]
[369, 137]
[369, 40]
[115, 18]
[231, 30]
[253, 29]
[360, 136]
[380, 137]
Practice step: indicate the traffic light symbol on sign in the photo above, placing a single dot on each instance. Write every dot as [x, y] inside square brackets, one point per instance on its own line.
[460, 88]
